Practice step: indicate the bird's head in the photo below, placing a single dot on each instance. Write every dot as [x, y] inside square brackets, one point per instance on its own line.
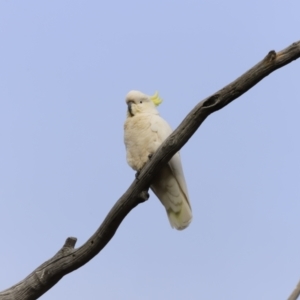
[138, 102]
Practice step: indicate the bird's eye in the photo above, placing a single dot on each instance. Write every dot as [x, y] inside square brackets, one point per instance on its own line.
[141, 101]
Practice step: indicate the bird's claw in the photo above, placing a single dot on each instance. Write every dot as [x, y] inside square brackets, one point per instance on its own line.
[137, 174]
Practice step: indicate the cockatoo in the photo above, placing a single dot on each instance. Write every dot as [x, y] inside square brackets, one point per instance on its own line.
[144, 132]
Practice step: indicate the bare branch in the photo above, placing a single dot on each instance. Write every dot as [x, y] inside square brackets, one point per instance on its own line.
[296, 292]
[68, 259]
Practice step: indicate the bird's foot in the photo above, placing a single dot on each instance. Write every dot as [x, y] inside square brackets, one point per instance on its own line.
[137, 174]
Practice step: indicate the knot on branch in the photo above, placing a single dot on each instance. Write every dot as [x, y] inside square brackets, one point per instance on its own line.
[70, 242]
[211, 101]
[143, 196]
[271, 56]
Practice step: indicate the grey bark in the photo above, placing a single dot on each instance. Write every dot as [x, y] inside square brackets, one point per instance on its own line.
[296, 292]
[68, 258]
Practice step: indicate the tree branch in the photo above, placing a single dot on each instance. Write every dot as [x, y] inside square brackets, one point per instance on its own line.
[296, 292]
[68, 259]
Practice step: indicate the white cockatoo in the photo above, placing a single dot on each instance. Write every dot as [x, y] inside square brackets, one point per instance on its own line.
[144, 132]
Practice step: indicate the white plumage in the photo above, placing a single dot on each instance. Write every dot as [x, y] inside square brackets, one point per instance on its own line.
[144, 132]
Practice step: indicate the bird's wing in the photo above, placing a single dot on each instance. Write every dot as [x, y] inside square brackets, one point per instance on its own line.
[163, 130]
[169, 184]
[176, 167]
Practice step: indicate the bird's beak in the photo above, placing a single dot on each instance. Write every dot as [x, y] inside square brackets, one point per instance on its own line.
[129, 104]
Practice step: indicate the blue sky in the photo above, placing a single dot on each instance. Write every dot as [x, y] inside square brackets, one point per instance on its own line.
[65, 68]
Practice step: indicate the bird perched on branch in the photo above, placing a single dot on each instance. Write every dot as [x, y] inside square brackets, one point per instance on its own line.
[144, 132]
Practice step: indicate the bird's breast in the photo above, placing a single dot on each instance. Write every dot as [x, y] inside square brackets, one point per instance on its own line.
[140, 141]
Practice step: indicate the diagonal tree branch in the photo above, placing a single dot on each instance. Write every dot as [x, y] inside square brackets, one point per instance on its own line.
[296, 292]
[68, 259]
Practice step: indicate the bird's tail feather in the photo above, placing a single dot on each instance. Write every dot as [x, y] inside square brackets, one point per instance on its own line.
[181, 219]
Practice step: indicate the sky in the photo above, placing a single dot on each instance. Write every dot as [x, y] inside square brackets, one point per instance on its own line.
[65, 69]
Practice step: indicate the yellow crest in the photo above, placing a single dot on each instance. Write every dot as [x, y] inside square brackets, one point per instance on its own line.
[156, 99]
